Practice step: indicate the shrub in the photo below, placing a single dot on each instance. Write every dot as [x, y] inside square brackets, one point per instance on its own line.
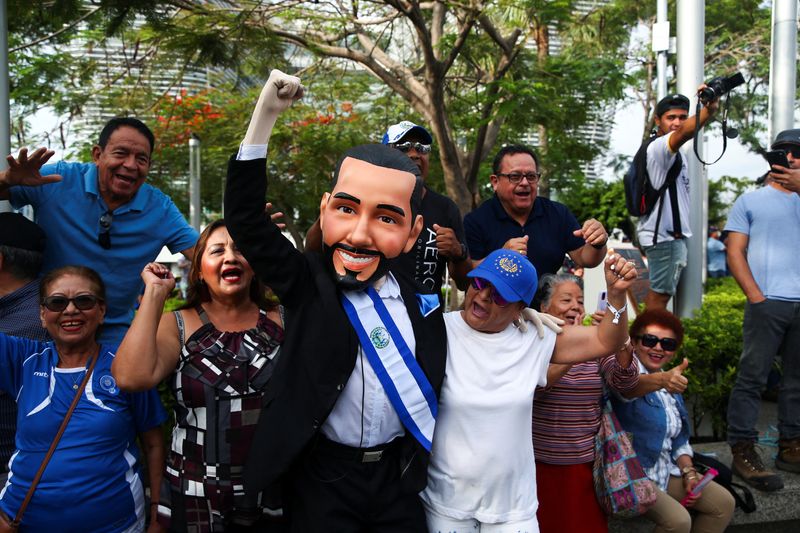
[713, 345]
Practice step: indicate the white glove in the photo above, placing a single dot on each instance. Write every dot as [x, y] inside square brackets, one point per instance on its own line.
[278, 94]
[539, 320]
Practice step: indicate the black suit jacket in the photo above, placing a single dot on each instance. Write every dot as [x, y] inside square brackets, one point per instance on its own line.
[320, 346]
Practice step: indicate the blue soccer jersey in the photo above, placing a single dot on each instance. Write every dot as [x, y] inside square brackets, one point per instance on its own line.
[92, 482]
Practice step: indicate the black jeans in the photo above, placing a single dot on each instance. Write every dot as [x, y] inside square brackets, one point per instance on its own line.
[770, 328]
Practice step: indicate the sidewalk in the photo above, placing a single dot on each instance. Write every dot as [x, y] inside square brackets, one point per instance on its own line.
[776, 512]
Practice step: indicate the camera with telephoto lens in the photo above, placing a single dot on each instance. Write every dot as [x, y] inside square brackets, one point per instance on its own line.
[716, 87]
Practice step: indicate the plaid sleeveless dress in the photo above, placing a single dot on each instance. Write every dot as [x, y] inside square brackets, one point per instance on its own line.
[218, 387]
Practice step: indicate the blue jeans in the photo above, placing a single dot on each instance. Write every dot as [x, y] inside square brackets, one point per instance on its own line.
[770, 328]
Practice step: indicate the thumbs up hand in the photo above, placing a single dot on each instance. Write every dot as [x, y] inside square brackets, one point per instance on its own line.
[674, 380]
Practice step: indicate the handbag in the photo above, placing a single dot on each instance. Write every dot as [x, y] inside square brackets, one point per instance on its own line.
[622, 488]
[12, 526]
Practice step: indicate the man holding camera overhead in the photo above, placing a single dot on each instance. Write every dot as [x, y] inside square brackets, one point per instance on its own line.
[762, 247]
[666, 250]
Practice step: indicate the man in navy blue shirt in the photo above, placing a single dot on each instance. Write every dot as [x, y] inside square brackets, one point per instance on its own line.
[516, 218]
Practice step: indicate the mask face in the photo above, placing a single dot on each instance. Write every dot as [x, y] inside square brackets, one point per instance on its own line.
[350, 280]
[367, 220]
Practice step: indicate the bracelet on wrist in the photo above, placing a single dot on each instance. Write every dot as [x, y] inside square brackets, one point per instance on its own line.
[616, 312]
[601, 245]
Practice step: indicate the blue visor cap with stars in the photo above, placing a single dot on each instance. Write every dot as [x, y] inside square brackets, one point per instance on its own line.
[511, 274]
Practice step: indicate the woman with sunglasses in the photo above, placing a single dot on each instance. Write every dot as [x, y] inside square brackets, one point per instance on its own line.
[566, 418]
[660, 426]
[482, 475]
[218, 353]
[92, 481]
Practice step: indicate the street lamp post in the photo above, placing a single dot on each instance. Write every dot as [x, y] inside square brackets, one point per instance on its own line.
[194, 181]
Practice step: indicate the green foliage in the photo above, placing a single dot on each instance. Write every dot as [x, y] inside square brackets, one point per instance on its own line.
[173, 304]
[604, 201]
[721, 195]
[713, 345]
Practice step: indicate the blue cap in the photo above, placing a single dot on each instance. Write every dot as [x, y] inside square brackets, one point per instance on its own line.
[511, 274]
[401, 129]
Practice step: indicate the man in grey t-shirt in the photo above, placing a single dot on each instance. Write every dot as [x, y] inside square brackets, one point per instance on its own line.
[762, 248]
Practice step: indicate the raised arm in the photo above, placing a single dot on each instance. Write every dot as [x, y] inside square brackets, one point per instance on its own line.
[151, 347]
[686, 130]
[277, 95]
[24, 170]
[274, 259]
[583, 343]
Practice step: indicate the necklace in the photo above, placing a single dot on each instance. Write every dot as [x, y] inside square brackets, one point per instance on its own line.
[78, 375]
[75, 379]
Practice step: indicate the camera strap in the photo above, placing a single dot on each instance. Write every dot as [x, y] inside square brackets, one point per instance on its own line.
[725, 133]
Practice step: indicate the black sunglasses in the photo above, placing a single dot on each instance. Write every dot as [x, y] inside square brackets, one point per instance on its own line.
[84, 302]
[104, 238]
[479, 284]
[667, 343]
[407, 146]
[791, 149]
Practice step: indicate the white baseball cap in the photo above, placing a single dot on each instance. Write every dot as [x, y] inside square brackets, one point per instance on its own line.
[401, 129]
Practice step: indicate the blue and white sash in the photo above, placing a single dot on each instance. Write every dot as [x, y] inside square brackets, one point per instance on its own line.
[404, 382]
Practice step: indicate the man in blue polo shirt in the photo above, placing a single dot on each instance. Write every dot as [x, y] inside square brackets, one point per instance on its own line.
[102, 214]
[515, 218]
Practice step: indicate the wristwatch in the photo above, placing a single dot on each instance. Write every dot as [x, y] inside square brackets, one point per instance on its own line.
[464, 253]
[688, 471]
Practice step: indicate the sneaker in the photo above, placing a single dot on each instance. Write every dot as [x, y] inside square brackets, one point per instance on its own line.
[788, 455]
[747, 465]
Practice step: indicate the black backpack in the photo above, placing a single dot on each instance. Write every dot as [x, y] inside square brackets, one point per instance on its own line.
[641, 197]
[740, 493]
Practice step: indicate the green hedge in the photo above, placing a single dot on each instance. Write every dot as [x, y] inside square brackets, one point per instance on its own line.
[713, 345]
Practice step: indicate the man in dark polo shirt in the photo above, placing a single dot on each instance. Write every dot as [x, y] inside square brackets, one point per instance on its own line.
[515, 218]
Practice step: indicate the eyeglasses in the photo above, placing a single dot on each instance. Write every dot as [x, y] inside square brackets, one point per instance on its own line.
[104, 238]
[516, 177]
[479, 284]
[407, 146]
[84, 302]
[668, 343]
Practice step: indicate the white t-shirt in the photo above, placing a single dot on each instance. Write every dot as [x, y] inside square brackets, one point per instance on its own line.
[659, 161]
[482, 464]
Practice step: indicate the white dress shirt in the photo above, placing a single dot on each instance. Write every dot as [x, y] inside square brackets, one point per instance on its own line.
[363, 416]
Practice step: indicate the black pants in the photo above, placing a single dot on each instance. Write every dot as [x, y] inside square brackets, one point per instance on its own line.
[331, 490]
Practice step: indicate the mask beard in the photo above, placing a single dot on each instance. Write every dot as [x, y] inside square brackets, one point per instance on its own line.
[349, 280]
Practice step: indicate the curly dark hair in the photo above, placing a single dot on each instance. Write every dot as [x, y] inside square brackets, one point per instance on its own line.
[659, 317]
[197, 291]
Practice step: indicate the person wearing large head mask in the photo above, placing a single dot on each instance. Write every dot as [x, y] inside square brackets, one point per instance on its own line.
[349, 418]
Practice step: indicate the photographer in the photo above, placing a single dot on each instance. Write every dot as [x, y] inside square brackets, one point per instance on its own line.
[666, 252]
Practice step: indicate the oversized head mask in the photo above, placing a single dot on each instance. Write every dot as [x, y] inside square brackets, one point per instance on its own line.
[371, 214]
